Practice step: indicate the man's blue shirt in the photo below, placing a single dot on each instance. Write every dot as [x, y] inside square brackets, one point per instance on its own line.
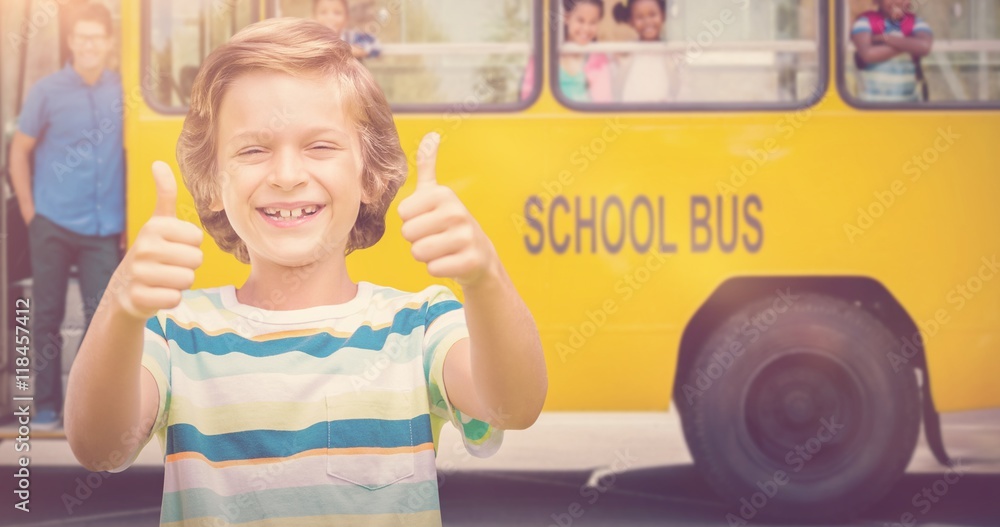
[79, 162]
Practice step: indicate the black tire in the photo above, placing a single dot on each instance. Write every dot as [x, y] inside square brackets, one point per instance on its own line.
[814, 376]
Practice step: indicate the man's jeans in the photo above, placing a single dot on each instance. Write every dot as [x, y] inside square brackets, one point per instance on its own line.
[53, 250]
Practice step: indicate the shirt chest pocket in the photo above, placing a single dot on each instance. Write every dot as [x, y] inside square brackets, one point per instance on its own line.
[370, 441]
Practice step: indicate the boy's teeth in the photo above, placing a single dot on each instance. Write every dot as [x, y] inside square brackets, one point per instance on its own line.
[296, 213]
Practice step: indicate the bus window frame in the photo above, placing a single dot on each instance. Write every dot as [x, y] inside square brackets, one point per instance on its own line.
[822, 79]
[858, 104]
[537, 33]
[145, 40]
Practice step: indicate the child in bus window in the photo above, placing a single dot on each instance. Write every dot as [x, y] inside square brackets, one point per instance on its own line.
[582, 77]
[646, 77]
[303, 397]
[890, 43]
[336, 15]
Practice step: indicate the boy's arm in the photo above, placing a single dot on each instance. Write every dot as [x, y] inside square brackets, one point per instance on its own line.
[919, 44]
[871, 52]
[111, 400]
[498, 374]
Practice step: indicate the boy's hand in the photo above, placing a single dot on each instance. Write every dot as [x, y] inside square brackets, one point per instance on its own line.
[162, 260]
[443, 233]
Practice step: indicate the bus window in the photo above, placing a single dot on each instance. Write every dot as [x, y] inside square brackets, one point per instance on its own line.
[178, 36]
[441, 53]
[691, 54]
[961, 69]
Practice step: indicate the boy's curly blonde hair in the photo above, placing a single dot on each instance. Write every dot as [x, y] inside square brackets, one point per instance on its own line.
[301, 48]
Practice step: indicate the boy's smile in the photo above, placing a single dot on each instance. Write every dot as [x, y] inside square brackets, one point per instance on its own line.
[287, 215]
[290, 165]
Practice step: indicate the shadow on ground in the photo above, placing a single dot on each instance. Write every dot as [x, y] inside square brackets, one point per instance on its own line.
[670, 495]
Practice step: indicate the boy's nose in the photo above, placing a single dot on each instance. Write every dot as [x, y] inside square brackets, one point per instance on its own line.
[288, 173]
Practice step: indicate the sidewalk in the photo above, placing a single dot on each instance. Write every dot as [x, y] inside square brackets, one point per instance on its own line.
[564, 441]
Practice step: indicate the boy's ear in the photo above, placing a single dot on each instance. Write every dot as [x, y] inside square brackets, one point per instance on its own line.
[366, 194]
[366, 197]
[216, 204]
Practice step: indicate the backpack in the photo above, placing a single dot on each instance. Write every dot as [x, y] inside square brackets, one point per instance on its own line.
[877, 21]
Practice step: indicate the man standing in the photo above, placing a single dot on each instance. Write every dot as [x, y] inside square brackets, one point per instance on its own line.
[67, 168]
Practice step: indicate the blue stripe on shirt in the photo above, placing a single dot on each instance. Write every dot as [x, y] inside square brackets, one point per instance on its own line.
[255, 444]
[323, 345]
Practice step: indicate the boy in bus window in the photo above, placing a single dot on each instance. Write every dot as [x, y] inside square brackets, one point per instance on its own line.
[302, 397]
[336, 15]
[890, 43]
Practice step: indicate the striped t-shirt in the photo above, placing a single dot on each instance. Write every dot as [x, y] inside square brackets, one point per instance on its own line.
[893, 80]
[321, 416]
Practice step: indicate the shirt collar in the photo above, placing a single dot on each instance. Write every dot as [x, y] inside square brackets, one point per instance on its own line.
[70, 72]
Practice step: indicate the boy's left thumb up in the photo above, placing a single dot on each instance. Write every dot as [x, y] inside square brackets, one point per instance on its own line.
[427, 160]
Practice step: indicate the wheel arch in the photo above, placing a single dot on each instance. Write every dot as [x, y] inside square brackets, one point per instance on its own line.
[866, 292]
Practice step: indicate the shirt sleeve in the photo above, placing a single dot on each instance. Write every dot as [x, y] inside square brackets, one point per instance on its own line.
[861, 25]
[921, 26]
[444, 326]
[155, 359]
[369, 43]
[32, 120]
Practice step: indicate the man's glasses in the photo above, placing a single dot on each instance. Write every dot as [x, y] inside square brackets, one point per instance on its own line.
[89, 39]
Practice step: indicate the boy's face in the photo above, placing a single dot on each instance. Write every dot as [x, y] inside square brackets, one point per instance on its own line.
[894, 9]
[290, 166]
[332, 14]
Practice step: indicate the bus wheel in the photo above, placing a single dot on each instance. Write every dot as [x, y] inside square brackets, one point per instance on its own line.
[795, 412]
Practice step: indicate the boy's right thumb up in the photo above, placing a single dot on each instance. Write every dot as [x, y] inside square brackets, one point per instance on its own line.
[166, 190]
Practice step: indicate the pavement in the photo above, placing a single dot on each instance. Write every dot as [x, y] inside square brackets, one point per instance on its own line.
[543, 476]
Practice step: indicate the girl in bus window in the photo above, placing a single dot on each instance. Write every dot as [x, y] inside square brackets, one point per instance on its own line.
[890, 43]
[336, 15]
[651, 76]
[582, 77]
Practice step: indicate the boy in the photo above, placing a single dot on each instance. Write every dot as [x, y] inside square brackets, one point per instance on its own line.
[890, 43]
[335, 14]
[301, 398]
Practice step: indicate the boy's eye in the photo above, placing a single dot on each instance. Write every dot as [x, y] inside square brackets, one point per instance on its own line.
[250, 152]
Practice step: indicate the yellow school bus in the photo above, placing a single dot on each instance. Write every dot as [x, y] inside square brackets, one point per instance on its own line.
[804, 276]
